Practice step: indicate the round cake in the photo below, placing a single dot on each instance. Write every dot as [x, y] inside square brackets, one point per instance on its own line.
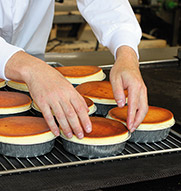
[100, 92]
[155, 126]
[25, 136]
[108, 137]
[2, 83]
[90, 104]
[80, 74]
[18, 85]
[14, 103]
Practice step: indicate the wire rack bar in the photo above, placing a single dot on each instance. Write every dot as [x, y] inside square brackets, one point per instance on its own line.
[58, 157]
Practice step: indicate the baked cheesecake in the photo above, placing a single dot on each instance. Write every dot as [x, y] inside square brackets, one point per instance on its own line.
[155, 126]
[100, 92]
[18, 85]
[25, 136]
[81, 74]
[107, 138]
[13, 103]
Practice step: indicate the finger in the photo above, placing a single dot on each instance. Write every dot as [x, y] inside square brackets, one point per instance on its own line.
[142, 110]
[46, 111]
[60, 116]
[118, 92]
[133, 98]
[81, 111]
[72, 118]
[84, 102]
[140, 115]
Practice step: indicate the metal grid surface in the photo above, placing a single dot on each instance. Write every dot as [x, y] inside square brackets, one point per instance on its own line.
[58, 157]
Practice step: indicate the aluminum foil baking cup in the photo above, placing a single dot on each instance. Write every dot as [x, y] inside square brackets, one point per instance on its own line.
[14, 150]
[149, 136]
[102, 109]
[93, 151]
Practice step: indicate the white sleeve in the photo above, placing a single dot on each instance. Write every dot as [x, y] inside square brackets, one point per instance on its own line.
[6, 50]
[113, 23]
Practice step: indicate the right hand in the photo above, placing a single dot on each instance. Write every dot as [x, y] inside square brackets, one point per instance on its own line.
[51, 92]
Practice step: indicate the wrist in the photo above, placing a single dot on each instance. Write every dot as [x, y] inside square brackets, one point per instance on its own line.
[20, 66]
[127, 54]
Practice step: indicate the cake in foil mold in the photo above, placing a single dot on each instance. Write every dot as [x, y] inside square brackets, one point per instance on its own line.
[25, 136]
[100, 92]
[108, 138]
[154, 128]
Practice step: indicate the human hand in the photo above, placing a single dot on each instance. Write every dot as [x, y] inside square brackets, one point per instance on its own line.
[51, 92]
[125, 74]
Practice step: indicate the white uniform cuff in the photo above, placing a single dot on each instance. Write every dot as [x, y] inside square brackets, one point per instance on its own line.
[7, 50]
[116, 41]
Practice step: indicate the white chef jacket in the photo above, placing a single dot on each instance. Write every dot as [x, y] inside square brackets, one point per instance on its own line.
[25, 25]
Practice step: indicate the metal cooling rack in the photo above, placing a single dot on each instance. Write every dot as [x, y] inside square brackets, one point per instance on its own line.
[58, 157]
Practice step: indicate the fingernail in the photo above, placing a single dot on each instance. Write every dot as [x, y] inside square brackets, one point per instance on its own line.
[133, 129]
[131, 126]
[69, 135]
[57, 133]
[121, 103]
[88, 129]
[80, 135]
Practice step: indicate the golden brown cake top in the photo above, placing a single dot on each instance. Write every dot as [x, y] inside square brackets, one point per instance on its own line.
[154, 115]
[102, 128]
[78, 71]
[22, 126]
[13, 99]
[97, 89]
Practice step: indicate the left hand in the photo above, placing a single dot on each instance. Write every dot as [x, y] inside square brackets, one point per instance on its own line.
[125, 74]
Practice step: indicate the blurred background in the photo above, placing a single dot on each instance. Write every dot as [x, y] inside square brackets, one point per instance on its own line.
[160, 21]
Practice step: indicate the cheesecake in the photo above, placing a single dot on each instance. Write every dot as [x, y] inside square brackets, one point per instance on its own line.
[25, 136]
[18, 85]
[14, 103]
[108, 137]
[80, 74]
[100, 92]
[155, 126]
